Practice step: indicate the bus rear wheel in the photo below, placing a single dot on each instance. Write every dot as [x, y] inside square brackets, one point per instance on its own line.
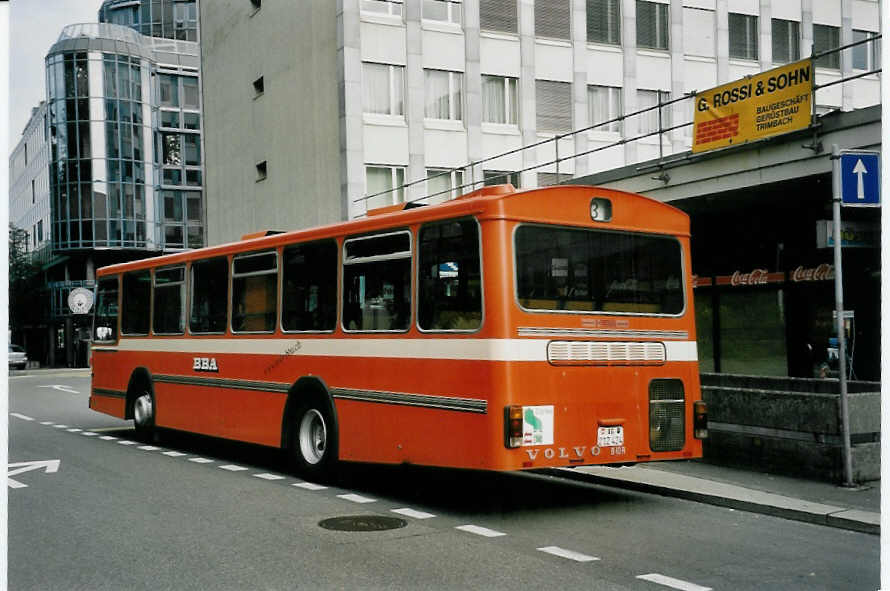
[314, 441]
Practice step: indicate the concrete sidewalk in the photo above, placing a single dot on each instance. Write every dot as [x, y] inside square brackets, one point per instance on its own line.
[822, 503]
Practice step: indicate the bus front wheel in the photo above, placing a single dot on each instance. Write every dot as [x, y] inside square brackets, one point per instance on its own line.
[314, 440]
[144, 416]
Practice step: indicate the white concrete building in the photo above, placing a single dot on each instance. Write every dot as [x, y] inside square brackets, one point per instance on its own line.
[29, 203]
[310, 106]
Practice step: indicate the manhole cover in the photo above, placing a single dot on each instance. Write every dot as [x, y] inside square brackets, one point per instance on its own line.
[363, 523]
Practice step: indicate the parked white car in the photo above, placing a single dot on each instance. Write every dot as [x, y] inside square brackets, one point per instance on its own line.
[17, 357]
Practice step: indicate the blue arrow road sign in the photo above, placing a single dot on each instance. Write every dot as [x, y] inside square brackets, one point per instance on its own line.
[860, 178]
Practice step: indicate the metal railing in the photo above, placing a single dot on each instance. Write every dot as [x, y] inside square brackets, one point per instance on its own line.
[469, 169]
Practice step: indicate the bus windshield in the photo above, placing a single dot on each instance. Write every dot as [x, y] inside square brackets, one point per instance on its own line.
[571, 269]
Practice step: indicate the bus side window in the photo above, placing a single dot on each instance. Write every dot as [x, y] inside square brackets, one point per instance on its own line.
[136, 302]
[377, 282]
[309, 298]
[169, 301]
[254, 292]
[210, 295]
[450, 280]
[105, 320]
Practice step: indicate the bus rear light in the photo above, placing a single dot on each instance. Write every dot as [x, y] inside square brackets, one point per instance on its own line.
[514, 426]
[700, 419]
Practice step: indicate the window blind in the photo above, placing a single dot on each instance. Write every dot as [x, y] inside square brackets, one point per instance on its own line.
[604, 21]
[499, 15]
[652, 25]
[786, 41]
[553, 101]
[553, 18]
[742, 36]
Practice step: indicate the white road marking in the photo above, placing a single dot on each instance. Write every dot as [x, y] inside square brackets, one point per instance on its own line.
[108, 437]
[233, 468]
[149, 447]
[103, 429]
[309, 485]
[74, 430]
[23, 417]
[201, 460]
[413, 513]
[127, 442]
[480, 531]
[174, 454]
[61, 388]
[46, 422]
[48, 466]
[571, 555]
[673, 583]
[60, 426]
[266, 476]
[356, 498]
[89, 433]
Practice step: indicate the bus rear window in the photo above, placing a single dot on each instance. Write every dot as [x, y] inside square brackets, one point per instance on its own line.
[105, 322]
[580, 270]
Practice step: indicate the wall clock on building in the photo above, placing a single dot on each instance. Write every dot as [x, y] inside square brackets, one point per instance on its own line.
[80, 300]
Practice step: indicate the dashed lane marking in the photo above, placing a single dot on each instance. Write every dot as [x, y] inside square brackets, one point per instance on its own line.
[104, 429]
[149, 447]
[20, 416]
[89, 433]
[672, 582]
[570, 554]
[126, 442]
[480, 531]
[267, 476]
[108, 437]
[174, 454]
[46, 422]
[201, 460]
[74, 430]
[60, 426]
[309, 485]
[356, 498]
[413, 513]
[233, 468]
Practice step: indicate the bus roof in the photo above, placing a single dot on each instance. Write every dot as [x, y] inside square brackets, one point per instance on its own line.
[559, 205]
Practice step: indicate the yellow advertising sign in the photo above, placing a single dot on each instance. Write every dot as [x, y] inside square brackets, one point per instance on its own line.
[773, 102]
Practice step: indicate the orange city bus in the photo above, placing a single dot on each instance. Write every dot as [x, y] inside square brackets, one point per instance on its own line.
[502, 330]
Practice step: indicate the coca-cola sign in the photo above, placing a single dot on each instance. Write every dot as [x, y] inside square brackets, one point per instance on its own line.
[755, 277]
[823, 272]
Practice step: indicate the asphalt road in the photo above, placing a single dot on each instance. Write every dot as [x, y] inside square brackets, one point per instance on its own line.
[192, 512]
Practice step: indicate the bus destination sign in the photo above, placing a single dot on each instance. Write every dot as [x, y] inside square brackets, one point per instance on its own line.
[771, 103]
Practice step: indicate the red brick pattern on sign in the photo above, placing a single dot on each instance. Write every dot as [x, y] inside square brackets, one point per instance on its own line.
[717, 129]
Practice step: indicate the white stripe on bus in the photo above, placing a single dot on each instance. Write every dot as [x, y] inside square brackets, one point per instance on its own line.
[432, 348]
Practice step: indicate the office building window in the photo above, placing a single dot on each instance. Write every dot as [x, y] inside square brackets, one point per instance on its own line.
[826, 37]
[500, 177]
[499, 15]
[742, 36]
[443, 184]
[262, 171]
[259, 86]
[604, 104]
[786, 41]
[866, 56]
[653, 28]
[437, 10]
[443, 92]
[553, 102]
[604, 21]
[553, 19]
[382, 7]
[384, 185]
[649, 119]
[500, 100]
[384, 89]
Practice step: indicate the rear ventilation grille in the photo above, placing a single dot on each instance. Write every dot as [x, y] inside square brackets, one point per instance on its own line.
[667, 415]
[605, 353]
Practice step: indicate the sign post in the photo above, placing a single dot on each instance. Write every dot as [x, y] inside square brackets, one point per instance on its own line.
[855, 182]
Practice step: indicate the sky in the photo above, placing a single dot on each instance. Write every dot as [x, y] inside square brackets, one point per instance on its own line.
[34, 25]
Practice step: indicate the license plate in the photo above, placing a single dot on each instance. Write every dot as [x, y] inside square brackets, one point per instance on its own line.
[610, 436]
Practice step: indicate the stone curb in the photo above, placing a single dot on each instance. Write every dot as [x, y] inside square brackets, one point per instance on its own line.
[785, 507]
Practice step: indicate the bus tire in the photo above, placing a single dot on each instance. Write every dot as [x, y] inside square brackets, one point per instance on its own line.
[313, 442]
[143, 409]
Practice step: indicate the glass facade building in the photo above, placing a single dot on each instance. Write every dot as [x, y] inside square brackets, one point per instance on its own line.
[171, 19]
[124, 141]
